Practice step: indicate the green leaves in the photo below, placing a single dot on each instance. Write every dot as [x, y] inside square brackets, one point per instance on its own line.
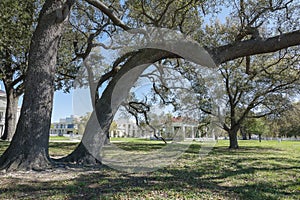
[16, 27]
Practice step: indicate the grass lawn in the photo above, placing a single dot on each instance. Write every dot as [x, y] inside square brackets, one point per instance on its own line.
[59, 138]
[266, 170]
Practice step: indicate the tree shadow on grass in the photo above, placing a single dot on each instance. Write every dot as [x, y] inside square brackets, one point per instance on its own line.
[139, 146]
[3, 146]
[222, 174]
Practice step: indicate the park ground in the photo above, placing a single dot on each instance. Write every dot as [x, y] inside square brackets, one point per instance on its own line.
[267, 170]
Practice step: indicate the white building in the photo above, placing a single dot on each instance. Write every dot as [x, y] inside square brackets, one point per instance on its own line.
[2, 110]
[68, 125]
[187, 129]
[126, 128]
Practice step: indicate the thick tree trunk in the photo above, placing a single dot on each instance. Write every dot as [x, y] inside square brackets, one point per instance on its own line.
[88, 151]
[233, 142]
[81, 156]
[10, 114]
[95, 134]
[29, 147]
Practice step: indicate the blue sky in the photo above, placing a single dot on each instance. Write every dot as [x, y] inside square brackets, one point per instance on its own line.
[66, 104]
[77, 102]
[62, 106]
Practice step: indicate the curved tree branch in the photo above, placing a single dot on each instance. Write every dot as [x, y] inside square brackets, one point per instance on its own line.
[101, 6]
[251, 47]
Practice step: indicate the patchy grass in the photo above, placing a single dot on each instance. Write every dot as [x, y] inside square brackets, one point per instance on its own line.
[59, 149]
[266, 170]
[58, 138]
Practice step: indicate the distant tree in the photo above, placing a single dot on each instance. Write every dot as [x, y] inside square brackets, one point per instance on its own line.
[256, 126]
[113, 126]
[287, 124]
[265, 90]
[82, 121]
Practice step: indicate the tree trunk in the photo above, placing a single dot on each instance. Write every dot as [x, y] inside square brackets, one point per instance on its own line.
[244, 134]
[233, 143]
[29, 147]
[97, 128]
[88, 150]
[10, 114]
[96, 132]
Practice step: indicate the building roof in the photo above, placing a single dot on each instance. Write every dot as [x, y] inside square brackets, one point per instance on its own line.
[184, 120]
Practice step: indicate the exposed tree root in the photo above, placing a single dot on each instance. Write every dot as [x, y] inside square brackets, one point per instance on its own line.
[80, 156]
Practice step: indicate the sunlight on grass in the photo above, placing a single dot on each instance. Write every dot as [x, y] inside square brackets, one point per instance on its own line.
[266, 170]
[59, 138]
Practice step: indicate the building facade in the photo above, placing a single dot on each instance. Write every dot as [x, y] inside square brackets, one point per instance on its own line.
[126, 128]
[68, 125]
[177, 127]
[2, 111]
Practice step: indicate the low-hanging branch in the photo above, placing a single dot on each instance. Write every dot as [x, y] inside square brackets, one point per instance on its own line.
[136, 108]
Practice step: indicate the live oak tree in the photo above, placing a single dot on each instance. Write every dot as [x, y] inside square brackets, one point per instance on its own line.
[267, 89]
[242, 43]
[18, 21]
[248, 31]
[29, 148]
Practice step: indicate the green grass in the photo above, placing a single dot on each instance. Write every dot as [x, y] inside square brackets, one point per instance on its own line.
[266, 170]
[59, 138]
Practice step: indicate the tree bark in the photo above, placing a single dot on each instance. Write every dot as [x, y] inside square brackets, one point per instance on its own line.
[29, 147]
[10, 114]
[88, 150]
[233, 142]
[254, 46]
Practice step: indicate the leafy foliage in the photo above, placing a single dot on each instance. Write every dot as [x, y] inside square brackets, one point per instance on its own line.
[17, 21]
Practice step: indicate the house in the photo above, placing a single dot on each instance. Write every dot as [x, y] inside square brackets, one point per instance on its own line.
[126, 128]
